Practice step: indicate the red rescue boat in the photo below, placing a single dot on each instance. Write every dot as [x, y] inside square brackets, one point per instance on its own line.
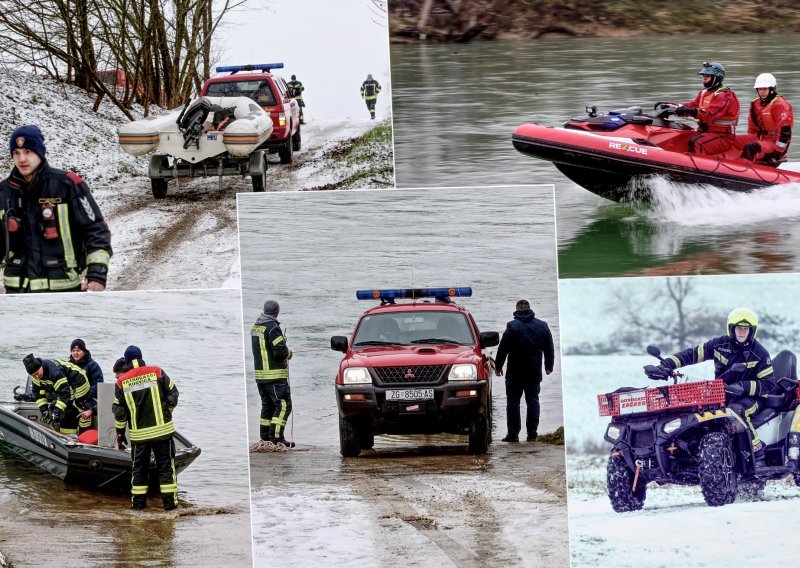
[611, 154]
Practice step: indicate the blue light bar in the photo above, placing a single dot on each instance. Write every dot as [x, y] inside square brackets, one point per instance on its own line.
[413, 293]
[259, 67]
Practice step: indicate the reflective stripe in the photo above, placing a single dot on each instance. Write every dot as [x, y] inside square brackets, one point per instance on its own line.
[720, 357]
[279, 339]
[701, 353]
[11, 281]
[675, 360]
[265, 422]
[144, 434]
[60, 382]
[68, 431]
[781, 144]
[62, 212]
[747, 413]
[765, 372]
[724, 122]
[120, 425]
[61, 405]
[751, 364]
[99, 256]
[139, 490]
[753, 387]
[275, 375]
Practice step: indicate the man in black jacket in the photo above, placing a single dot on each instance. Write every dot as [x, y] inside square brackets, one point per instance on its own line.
[53, 237]
[524, 342]
[68, 385]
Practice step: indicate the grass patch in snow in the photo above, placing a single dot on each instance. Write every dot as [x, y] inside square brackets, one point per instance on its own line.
[556, 438]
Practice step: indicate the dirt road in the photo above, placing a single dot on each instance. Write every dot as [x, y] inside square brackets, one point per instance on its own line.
[413, 504]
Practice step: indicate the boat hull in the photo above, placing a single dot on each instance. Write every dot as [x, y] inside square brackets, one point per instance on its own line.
[613, 166]
[87, 465]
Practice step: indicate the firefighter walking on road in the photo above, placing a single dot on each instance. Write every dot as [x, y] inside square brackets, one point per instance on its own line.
[53, 237]
[271, 359]
[296, 89]
[71, 388]
[369, 92]
[144, 400]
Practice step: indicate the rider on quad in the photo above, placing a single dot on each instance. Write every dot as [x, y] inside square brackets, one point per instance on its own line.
[742, 388]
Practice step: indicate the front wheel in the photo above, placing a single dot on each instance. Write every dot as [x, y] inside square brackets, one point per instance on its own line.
[619, 481]
[349, 438]
[479, 435]
[717, 469]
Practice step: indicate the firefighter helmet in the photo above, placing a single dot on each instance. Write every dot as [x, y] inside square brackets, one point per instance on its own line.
[743, 317]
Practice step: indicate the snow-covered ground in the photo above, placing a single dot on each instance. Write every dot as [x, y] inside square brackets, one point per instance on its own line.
[189, 239]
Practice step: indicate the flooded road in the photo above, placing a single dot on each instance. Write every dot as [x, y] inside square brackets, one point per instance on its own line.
[490, 88]
[411, 497]
[194, 336]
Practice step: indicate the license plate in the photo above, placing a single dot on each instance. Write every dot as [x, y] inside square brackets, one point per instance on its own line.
[410, 394]
[631, 402]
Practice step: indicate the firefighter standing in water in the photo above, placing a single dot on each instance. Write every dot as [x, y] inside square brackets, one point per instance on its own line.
[271, 360]
[144, 399]
[369, 92]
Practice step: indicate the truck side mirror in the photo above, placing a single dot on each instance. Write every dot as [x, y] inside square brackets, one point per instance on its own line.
[339, 343]
[489, 339]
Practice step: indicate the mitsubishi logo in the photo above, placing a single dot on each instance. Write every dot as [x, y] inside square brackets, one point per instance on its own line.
[409, 375]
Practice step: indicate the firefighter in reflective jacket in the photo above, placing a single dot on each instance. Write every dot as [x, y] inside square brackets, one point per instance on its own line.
[70, 386]
[271, 358]
[296, 89]
[53, 237]
[369, 92]
[769, 124]
[716, 110]
[144, 400]
[743, 388]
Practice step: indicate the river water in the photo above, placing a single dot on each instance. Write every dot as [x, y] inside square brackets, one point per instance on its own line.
[311, 252]
[194, 336]
[455, 107]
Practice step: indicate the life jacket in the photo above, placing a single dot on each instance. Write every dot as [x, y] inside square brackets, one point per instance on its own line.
[763, 117]
[724, 122]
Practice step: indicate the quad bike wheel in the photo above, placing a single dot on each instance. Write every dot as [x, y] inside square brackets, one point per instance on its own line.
[717, 469]
[619, 479]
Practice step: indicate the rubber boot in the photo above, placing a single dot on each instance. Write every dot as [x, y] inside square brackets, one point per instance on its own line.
[170, 502]
[794, 450]
[759, 457]
[139, 502]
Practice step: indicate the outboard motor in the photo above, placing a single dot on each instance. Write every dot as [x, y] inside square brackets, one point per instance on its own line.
[190, 121]
[27, 395]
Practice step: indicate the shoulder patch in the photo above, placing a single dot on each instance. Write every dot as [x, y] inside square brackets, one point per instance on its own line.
[75, 177]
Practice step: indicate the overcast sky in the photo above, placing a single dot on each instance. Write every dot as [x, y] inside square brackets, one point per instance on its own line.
[330, 45]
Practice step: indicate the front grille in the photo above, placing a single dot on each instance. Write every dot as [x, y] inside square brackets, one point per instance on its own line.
[413, 374]
[643, 438]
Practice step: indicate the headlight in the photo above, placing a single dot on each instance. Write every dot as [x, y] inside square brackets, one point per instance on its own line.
[613, 432]
[671, 426]
[356, 375]
[463, 372]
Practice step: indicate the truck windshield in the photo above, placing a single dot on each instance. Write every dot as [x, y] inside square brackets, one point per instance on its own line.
[413, 328]
[258, 91]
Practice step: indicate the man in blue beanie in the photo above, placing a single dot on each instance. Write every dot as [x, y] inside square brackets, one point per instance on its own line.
[53, 236]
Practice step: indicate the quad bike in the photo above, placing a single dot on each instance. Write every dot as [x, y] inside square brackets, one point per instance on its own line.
[686, 434]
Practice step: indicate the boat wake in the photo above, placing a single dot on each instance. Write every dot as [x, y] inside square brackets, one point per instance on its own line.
[708, 206]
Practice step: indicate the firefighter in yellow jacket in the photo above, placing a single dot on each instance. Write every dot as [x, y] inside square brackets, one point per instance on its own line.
[144, 400]
[271, 359]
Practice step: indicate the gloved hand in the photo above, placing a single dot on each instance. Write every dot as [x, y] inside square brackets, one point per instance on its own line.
[751, 150]
[46, 417]
[56, 416]
[735, 389]
[662, 103]
[686, 111]
[657, 372]
[121, 439]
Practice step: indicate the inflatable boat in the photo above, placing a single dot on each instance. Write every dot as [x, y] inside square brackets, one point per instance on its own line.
[206, 127]
[90, 465]
[611, 154]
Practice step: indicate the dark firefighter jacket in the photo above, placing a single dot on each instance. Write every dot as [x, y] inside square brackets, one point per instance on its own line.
[52, 232]
[66, 380]
[144, 399]
[296, 89]
[370, 90]
[93, 372]
[758, 376]
[524, 342]
[270, 352]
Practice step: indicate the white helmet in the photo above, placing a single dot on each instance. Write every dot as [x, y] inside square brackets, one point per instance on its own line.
[765, 80]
